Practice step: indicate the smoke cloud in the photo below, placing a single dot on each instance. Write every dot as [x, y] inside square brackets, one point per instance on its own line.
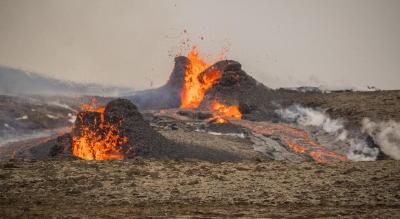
[385, 134]
[359, 149]
[310, 117]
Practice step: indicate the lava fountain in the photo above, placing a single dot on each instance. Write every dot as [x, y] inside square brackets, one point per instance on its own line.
[197, 82]
[194, 87]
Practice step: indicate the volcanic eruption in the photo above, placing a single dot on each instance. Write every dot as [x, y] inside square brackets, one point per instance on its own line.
[199, 78]
[187, 87]
[220, 94]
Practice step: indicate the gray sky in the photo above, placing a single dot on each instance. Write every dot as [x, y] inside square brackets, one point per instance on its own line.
[281, 43]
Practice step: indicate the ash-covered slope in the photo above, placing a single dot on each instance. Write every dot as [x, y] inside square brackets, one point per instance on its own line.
[29, 117]
[167, 96]
[24, 117]
[18, 82]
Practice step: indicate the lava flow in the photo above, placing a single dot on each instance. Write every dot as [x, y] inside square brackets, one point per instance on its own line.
[197, 83]
[97, 140]
[297, 140]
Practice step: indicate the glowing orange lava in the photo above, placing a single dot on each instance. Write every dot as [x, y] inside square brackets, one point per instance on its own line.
[299, 141]
[198, 82]
[294, 146]
[98, 140]
[92, 106]
[222, 112]
[196, 85]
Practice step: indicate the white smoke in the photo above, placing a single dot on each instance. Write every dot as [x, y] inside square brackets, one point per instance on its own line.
[310, 117]
[359, 149]
[385, 134]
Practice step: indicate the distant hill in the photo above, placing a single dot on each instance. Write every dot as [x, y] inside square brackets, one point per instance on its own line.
[14, 81]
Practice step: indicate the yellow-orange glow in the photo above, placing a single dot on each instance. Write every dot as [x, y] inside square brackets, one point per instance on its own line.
[294, 146]
[299, 141]
[92, 106]
[195, 85]
[223, 112]
[100, 140]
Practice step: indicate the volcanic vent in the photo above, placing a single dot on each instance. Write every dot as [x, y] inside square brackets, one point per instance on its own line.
[222, 88]
[119, 131]
[198, 97]
[230, 95]
[116, 131]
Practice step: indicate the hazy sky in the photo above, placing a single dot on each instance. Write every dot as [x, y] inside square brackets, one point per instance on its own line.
[130, 43]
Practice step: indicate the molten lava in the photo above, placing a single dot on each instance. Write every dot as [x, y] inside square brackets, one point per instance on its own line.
[222, 112]
[299, 141]
[294, 146]
[98, 140]
[195, 87]
[198, 82]
[92, 106]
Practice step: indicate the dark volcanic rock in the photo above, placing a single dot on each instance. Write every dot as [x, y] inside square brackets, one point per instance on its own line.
[141, 136]
[177, 76]
[142, 139]
[124, 115]
[236, 87]
[167, 96]
[226, 128]
[195, 114]
[62, 146]
[19, 115]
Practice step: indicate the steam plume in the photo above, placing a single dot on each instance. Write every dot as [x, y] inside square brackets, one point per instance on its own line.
[385, 134]
[359, 149]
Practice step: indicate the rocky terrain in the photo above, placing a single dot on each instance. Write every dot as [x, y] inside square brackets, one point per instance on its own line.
[246, 184]
[177, 162]
[165, 188]
[35, 116]
[350, 105]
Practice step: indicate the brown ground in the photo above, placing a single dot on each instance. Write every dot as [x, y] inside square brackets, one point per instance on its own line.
[140, 188]
[352, 106]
